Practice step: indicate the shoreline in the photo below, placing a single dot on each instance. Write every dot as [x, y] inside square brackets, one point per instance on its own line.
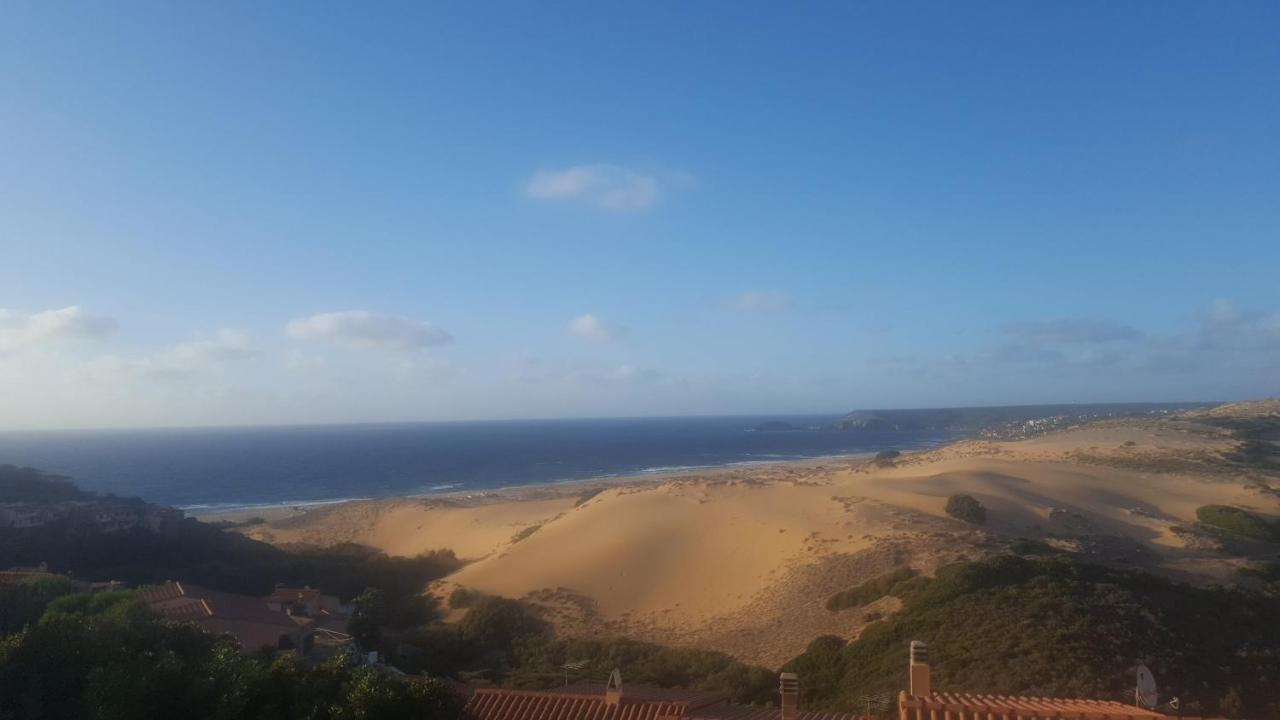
[271, 512]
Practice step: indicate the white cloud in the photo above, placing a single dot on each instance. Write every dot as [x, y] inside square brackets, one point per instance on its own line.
[177, 361]
[20, 330]
[758, 302]
[590, 327]
[634, 374]
[225, 344]
[608, 187]
[366, 329]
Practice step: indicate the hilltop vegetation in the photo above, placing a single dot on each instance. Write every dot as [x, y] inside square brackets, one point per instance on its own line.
[1058, 627]
[104, 655]
[204, 554]
[24, 484]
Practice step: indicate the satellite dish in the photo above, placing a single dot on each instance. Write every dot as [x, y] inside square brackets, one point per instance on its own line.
[1146, 695]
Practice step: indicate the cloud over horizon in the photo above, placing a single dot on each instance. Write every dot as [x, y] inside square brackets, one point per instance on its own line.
[178, 361]
[590, 327]
[20, 330]
[365, 329]
[606, 187]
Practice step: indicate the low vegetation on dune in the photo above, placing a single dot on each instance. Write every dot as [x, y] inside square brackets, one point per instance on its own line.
[1238, 522]
[503, 641]
[890, 583]
[1062, 628]
[1258, 434]
[966, 508]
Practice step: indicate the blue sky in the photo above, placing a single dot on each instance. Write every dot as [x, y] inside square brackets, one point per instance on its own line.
[243, 213]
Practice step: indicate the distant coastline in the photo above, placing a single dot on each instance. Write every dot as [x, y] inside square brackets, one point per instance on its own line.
[228, 470]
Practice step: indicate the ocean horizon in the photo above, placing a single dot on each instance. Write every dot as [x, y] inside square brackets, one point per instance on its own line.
[207, 470]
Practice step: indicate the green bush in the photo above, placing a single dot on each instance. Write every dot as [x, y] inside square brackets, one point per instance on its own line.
[462, 598]
[966, 508]
[871, 590]
[1025, 546]
[1237, 521]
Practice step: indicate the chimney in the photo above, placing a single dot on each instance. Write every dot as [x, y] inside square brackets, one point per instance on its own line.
[789, 688]
[613, 690]
[919, 669]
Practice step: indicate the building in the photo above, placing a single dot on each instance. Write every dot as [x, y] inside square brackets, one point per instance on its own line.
[921, 702]
[613, 702]
[108, 515]
[248, 619]
[21, 575]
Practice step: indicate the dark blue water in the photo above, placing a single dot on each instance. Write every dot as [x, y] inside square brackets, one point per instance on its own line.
[234, 467]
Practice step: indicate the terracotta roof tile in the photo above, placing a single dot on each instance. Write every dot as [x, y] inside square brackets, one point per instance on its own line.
[292, 595]
[1023, 708]
[586, 702]
[497, 704]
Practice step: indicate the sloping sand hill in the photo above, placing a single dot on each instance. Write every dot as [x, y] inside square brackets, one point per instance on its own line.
[743, 560]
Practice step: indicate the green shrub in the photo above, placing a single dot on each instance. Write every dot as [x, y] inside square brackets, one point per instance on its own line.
[871, 590]
[1025, 546]
[462, 598]
[1267, 572]
[1237, 521]
[966, 508]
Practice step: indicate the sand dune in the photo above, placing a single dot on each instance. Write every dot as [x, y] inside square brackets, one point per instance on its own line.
[744, 559]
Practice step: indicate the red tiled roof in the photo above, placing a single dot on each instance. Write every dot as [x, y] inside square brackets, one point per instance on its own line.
[292, 595]
[691, 699]
[497, 704]
[180, 598]
[192, 610]
[750, 712]
[1022, 708]
[587, 702]
[18, 577]
[151, 594]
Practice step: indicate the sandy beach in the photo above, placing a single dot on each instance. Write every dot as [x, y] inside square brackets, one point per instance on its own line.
[742, 559]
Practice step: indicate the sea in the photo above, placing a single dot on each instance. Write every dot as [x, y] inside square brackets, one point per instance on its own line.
[222, 469]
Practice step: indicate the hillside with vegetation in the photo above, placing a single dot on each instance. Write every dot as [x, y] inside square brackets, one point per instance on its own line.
[105, 655]
[1059, 627]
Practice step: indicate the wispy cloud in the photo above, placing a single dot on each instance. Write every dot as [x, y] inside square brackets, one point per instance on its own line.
[1070, 331]
[225, 344]
[609, 187]
[366, 329]
[178, 361]
[590, 327]
[20, 330]
[758, 301]
[634, 374]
